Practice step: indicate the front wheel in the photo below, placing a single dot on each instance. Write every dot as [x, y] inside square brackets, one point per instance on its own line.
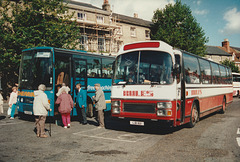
[194, 115]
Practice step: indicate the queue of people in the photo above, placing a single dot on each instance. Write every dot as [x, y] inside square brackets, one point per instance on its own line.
[41, 106]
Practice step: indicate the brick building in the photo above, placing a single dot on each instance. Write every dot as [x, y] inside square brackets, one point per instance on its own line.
[104, 31]
[234, 51]
[220, 53]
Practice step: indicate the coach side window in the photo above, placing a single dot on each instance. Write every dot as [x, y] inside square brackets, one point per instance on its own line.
[223, 74]
[107, 68]
[94, 67]
[215, 73]
[191, 67]
[205, 71]
[229, 74]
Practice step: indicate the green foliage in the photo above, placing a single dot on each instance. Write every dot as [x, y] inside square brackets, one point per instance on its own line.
[230, 64]
[25, 24]
[176, 26]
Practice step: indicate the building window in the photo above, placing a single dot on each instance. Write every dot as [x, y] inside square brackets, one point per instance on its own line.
[133, 31]
[84, 43]
[120, 30]
[101, 44]
[147, 34]
[100, 19]
[81, 16]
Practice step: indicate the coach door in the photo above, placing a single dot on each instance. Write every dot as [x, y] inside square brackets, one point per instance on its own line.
[80, 74]
[181, 96]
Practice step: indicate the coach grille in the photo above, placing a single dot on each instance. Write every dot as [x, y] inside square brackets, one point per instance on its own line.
[139, 108]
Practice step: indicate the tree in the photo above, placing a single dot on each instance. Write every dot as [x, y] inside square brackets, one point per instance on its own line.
[25, 24]
[230, 64]
[176, 26]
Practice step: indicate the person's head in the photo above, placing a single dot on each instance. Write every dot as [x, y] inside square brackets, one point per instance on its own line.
[42, 87]
[78, 86]
[63, 84]
[97, 86]
[14, 89]
[65, 89]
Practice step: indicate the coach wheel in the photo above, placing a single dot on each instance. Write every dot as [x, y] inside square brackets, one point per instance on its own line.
[223, 106]
[90, 110]
[194, 116]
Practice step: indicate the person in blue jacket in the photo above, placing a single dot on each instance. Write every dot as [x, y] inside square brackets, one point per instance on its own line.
[81, 103]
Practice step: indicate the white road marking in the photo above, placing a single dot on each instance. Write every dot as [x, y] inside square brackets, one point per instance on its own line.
[238, 141]
[238, 131]
[113, 139]
[85, 131]
[116, 138]
[12, 123]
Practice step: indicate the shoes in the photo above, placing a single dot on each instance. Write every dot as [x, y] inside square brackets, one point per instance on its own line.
[11, 118]
[43, 136]
[84, 123]
[69, 125]
[65, 127]
[38, 135]
[100, 127]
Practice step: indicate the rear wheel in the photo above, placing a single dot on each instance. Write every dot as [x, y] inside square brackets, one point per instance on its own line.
[223, 106]
[194, 115]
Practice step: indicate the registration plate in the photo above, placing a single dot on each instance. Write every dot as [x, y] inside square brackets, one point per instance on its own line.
[137, 123]
[28, 112]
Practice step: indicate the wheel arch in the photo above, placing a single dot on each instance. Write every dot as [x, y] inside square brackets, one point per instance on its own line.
[197, 102]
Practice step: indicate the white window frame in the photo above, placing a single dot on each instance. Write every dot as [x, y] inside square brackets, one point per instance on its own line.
[100, 19]
[84, 42]
[101, 47]
[81, 16]
[120, 30]
[147, 34]
[133, 31]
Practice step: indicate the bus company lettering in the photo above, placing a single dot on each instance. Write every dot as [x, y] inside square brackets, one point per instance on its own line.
[26, 94]
[104, 88]
[138, 93]
[196, 92]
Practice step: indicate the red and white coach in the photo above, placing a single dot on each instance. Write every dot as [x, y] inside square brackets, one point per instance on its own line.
[154, 82]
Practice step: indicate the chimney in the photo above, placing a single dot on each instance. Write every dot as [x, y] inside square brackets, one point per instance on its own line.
[225, 44]
[106, 6]
[135, 15]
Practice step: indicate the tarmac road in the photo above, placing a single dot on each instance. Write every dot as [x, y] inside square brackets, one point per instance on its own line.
[214, 138]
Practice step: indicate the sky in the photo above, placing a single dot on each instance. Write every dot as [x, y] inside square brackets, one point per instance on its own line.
[220, 19]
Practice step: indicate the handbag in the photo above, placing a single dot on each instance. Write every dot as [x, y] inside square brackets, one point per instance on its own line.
[9, 111]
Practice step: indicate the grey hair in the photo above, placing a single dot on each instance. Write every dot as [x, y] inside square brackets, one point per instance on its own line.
[42, 87]
[97, 84]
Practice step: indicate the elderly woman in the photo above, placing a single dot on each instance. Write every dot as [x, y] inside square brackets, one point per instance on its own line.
[40, 110]
[65, 107]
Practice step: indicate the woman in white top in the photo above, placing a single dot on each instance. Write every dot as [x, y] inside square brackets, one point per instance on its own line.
[13, 101]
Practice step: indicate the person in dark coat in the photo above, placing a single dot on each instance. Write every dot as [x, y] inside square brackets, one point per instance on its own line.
[81, 103]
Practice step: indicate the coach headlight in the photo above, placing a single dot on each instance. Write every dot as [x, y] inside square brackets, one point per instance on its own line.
[116, 107]
[164, 112]
[164, 105]
[115, 103]
[116, 110]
